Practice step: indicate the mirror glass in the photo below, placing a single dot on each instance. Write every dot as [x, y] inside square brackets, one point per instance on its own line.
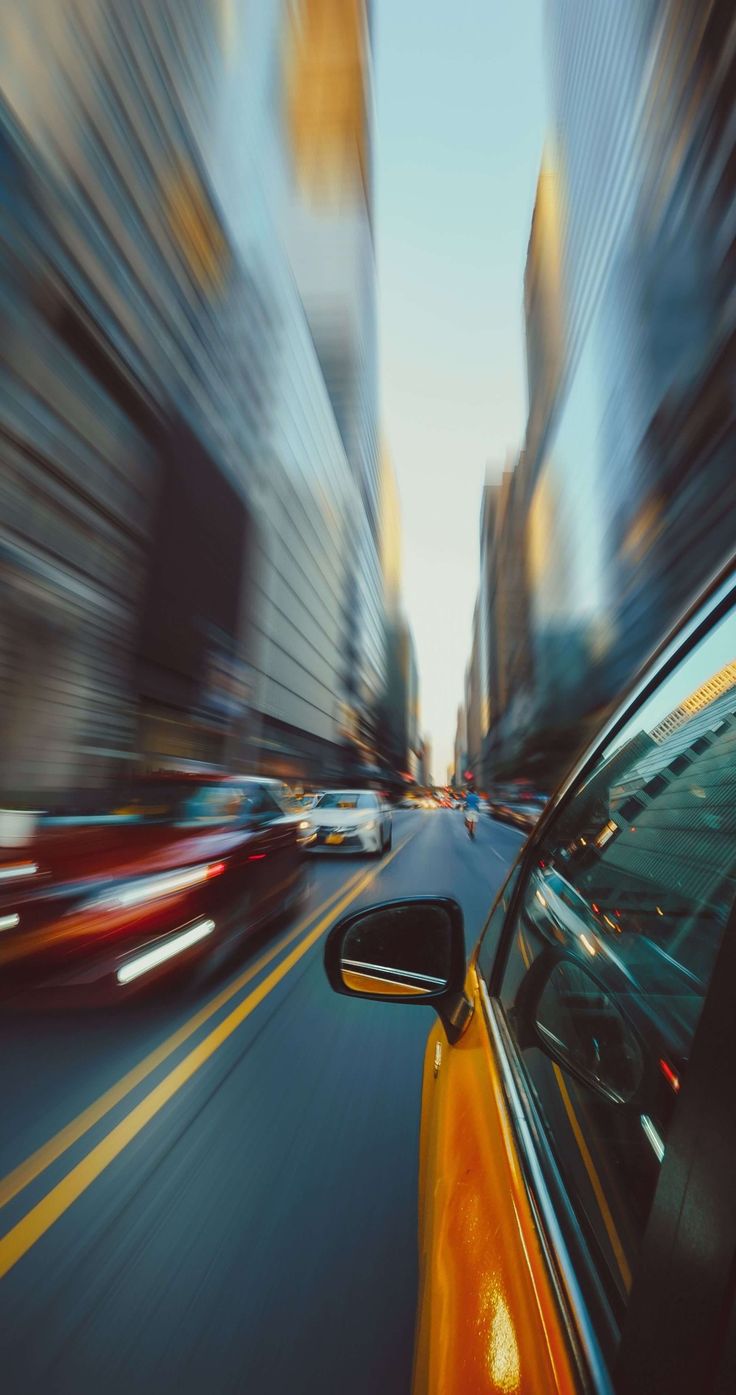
[582, 1027]
[402, 951]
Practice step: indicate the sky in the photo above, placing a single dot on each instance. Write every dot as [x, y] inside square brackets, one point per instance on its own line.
[460, 95]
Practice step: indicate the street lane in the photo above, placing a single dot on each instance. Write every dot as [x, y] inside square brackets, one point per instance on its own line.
[259, 1231]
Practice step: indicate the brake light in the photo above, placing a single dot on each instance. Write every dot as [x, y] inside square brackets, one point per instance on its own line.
[256, 857]
[670, 1076]
[215, 869]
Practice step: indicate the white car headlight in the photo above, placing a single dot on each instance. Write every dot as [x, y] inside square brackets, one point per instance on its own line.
[370, 826]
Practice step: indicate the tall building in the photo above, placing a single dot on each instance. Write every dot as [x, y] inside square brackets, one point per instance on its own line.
[632, 486]
[473, 698]
[390, 535]
[428, 776]
[186, 528]
[115, 264]
[461, 746]
[327, 110]
[402, 742]
[504, 620]
[543, 307]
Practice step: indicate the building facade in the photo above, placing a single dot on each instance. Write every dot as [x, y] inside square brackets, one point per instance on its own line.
[505, 644]
[327, 111]
[460, 747]
[181, 526]
[632, 485]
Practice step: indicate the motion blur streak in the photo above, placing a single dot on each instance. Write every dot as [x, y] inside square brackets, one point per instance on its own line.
[145, 962]
[33, 1166]
[191, 490]
[618, 505]
[16, 1243]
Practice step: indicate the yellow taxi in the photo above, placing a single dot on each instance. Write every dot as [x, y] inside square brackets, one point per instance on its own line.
[577, 1206]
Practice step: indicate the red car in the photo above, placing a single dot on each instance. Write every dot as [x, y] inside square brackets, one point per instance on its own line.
[179, 868]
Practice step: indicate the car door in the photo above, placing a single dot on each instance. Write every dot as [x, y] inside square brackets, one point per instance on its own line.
[486, 1310]
[602, 1004]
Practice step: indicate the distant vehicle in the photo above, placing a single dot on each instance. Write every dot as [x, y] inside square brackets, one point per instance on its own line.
[523, 811]
[351, 821]
[577, 1147]
[176, 868]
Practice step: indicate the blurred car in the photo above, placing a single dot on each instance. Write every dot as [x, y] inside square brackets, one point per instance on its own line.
[350, 821]
[173, 870]
[578, 1135]
[523, 812]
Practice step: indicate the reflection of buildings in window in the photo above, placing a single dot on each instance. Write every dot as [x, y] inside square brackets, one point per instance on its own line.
[721, 682]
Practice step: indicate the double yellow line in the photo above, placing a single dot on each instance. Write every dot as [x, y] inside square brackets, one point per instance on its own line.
[22, 1236]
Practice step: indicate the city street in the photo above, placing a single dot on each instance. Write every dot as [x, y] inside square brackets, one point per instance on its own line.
[215, 1189]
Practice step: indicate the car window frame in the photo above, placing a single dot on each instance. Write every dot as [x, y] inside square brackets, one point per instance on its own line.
[590, 1318]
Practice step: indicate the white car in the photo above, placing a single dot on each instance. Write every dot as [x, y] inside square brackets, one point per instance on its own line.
[351, 821]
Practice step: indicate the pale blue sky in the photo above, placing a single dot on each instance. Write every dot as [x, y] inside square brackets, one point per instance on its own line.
[460, 95]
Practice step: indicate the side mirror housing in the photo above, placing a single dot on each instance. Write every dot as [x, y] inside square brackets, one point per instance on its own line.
[409, 951]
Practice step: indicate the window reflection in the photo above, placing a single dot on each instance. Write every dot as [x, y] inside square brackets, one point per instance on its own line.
[631, 895]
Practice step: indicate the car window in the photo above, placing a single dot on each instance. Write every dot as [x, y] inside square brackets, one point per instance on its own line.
[212, 803]
[264, 801]
[172, 801]
[614, 941]
[346, 799]
[488, 947]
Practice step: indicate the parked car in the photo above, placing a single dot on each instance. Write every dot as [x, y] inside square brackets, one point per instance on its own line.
[351, 821]
[578, 1135]
[174, 869]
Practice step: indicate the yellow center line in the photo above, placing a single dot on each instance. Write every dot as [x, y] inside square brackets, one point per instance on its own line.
[595, 1181]
[26, 1172]
[22, 1236]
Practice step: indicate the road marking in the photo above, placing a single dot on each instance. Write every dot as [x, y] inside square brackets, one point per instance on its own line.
[48, 1153]
[595, 1181]
[41, 1217]
[505, 860]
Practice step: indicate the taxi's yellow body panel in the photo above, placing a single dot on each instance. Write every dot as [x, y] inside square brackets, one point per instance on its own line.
[488, 1318]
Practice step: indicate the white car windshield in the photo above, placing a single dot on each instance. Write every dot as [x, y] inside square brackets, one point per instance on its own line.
[348, 800]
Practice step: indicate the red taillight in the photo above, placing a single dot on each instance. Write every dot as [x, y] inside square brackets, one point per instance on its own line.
[256, 857]
[670, 1076]
[215, 869]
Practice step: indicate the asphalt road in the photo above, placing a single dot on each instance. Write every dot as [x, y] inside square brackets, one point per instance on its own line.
[215, 1189]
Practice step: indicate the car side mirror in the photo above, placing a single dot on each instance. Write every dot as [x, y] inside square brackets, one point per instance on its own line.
[564, 1010]
[409, 951]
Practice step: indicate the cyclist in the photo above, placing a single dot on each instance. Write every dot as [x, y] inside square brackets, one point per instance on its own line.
[472, 806]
